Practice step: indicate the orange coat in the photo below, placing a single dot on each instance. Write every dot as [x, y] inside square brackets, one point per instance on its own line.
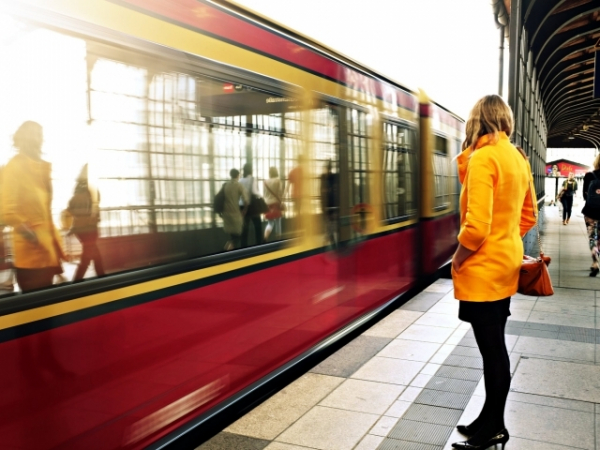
[497, 210]
[26, 199]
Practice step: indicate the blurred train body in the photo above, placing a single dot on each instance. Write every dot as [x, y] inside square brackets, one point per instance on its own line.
[161, 99]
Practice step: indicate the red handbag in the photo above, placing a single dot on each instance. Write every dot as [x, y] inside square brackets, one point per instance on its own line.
[534, 278]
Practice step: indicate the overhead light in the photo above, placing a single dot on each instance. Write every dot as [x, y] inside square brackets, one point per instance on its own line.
[571, 137]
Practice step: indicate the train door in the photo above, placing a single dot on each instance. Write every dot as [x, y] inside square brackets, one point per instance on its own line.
[341, 173]
[341, 177]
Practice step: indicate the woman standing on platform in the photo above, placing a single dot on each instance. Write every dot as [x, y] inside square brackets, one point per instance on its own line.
[569, 188]
[591, 214]
[498, 207]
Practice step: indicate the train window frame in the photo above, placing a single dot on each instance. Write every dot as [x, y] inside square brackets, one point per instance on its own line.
[412, 153]
[170, 61]
[441, 182]
[347, 139]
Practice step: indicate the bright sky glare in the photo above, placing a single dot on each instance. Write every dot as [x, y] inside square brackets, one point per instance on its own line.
[449, 48]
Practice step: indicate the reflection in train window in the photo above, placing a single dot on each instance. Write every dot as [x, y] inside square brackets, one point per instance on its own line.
[441, 173]
[358, 159]
[325, 142]
[157, 143]
[399, 171]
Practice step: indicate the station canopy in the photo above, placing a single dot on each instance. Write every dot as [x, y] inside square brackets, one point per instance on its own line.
[563, 38]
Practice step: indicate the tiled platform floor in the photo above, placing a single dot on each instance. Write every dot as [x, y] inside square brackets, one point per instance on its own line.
[406, 382]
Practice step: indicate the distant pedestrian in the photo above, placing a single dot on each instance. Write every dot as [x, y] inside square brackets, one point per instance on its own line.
[497, 205]
[233, 215]
[591, 212]
[569, 188]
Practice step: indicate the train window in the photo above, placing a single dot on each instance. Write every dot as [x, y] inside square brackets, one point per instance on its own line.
[399, 171]
[358, 157]
[441, 173]
[149, 144]
[325, 141]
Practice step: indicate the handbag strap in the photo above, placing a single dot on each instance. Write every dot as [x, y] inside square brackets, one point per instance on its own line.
[533, 203]
[273, 193]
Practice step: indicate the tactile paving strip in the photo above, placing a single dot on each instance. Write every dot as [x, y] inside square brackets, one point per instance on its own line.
[443, 399]
[464, 387]
[464, 361]
[466, 351]
[424, 433]
[432, 414]
[393, 444]
[468, 342]
[460, 373]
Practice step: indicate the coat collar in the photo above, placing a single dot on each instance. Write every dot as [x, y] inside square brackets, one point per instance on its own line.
[464, 157]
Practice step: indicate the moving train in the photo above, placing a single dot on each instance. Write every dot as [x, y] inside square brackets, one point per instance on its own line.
[159, 100]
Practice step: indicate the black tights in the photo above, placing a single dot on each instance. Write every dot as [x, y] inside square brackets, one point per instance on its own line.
[567, 202]
[496, 374]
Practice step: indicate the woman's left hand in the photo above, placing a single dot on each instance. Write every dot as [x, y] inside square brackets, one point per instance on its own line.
[461, 254]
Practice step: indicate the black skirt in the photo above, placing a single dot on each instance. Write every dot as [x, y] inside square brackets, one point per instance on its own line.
[484, 313]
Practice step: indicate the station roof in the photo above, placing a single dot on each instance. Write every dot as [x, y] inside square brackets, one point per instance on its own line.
[563, 38]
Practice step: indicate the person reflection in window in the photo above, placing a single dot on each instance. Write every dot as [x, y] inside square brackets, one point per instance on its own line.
[330, 202]
[84, 207]
[27, 196]
[249, 183]
[233, 215]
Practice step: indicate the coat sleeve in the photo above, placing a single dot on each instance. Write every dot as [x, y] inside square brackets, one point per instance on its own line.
[480, 187]
[529, 211]
[12, 209]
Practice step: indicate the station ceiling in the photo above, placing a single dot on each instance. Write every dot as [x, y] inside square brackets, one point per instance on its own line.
[563, 39]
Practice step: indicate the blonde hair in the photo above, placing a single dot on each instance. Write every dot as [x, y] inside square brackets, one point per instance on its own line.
[490, 115]
[597, 162]
[22, 136]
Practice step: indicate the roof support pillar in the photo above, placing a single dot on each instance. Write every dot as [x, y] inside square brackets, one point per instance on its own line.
[514, 55]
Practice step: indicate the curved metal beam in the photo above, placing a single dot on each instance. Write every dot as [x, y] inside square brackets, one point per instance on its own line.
[581, 114]
[557, 23]
[562, 52]
[540, 17]
[565, 94]
[563, 67]
[569, 105]
[565, 83]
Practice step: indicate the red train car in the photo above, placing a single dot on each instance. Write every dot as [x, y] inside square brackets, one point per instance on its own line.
[158, 101]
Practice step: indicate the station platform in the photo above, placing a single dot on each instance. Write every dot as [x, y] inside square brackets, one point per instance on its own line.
[405, 383]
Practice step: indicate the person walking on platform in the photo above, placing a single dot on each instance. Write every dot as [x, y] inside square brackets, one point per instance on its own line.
[498, 207]
[26, 200]
[591, 212]
[569, 188]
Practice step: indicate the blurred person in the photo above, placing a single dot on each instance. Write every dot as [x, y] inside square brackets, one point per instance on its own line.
[591, 213]
[294, 186]
[233, 215]
[330, 202]
[273, 195]
[498, 208]
[569, 188]
[27, 198]
[249, 183]
[84, 207]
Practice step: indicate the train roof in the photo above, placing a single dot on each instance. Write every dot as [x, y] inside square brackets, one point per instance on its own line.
[318, 46]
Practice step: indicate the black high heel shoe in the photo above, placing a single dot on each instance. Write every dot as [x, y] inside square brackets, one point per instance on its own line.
[466, 430]
[500, 438]
[594, 271]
